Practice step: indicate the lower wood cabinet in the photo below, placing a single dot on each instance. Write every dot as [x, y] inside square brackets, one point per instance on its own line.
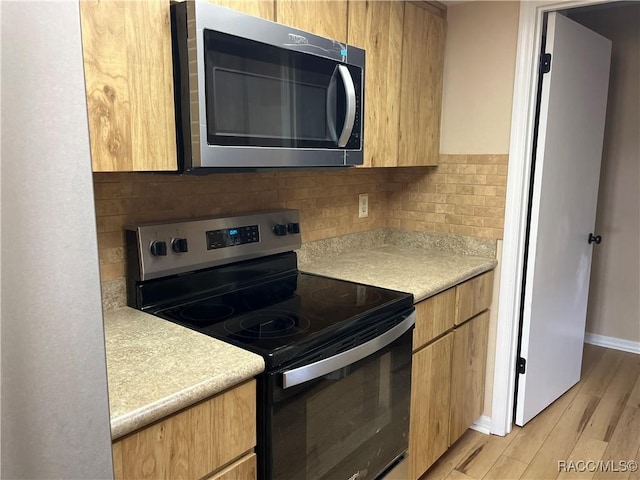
[429, 427]
[448, 369]
[473, 297]
[468, 373]
[201, 441]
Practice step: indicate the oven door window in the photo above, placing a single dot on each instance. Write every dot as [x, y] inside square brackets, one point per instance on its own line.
[352, 421]
[262, 95]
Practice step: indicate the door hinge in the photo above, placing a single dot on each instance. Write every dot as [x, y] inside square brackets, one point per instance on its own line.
[522, 365]
[545, 63]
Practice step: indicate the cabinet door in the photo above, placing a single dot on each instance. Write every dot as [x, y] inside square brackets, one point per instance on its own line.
[195, 442]
[257, 8]
[129, 85]
[421, 87]
[377, 27]
[327, 18]
[429, 428]
[473, 296]
[434, 316]
[468, 373]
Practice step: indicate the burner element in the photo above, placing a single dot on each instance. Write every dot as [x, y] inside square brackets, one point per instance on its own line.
[206, 312]
[355, 296]
[267, 324]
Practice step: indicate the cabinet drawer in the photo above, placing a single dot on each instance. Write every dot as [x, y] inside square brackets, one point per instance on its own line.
[473, 297]
[194, 442]
[434, 316]
[243, 469]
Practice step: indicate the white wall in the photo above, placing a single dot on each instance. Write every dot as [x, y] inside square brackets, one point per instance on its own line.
[55, 411]
[479, 68]
[614, 298]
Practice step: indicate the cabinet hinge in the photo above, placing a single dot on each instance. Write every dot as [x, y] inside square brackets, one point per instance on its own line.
[545, 63]
[522, 365]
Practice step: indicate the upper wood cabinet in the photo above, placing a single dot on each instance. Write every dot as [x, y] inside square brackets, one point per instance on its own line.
[129, 85]
[257, 8]
[421, 86]
[327, 18]
[376, 26]
[404, 42]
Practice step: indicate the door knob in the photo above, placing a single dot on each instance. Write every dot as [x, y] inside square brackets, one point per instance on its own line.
[595, 238]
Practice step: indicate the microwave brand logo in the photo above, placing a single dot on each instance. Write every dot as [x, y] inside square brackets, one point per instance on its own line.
[298, 39]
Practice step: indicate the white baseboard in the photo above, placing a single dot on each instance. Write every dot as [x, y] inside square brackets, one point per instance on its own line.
[612, 342]
[482, 425]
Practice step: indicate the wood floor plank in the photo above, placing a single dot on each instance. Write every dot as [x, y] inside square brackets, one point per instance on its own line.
[445, 465]
[591, 355]
[505, 468]
[605, 418]
[456, 475]
[634, 397]
[530, 438]
[485, 453]
[598, 380]
[624, 444]
[562, 438]
[586, 450]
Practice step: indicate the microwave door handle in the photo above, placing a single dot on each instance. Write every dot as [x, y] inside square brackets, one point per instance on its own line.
[350, 110]
[332, 99]
[323, 367]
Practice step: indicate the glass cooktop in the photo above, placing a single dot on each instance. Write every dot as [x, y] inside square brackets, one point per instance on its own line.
[288, 314]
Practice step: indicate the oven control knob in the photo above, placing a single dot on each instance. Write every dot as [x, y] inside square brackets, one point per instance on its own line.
[179, 245]
[293, 228]
[280, 230]
[158, 248]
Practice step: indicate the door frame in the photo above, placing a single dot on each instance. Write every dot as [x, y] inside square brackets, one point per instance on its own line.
[517, 199]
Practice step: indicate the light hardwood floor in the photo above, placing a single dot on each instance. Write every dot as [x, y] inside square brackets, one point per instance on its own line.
[597, 420]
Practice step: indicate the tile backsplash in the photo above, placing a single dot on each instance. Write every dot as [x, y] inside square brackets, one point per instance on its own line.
[464, 195]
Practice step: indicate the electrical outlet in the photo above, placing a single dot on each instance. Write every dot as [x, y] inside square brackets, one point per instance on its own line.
[363, 205]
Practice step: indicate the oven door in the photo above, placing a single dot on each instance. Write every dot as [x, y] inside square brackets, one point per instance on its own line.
[344, 417]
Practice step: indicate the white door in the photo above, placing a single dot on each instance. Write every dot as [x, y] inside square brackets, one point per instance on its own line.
[565, 193]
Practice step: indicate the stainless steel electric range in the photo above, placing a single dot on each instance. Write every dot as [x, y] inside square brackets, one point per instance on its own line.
[333, 402]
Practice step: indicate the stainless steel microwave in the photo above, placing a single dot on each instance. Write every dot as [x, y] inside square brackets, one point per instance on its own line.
[251, 93]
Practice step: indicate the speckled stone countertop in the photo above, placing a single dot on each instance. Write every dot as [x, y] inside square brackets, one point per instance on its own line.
[156, 368]
[420, 271]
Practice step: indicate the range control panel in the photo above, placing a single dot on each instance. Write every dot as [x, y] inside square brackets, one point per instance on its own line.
[177, 247]
[229, 237]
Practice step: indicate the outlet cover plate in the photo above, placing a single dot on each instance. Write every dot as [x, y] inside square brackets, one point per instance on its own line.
[363, 205]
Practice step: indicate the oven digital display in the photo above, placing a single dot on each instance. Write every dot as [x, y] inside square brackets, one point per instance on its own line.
[230, 237]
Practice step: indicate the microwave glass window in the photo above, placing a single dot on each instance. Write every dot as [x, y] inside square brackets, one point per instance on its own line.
[258, 106]
[262, 95]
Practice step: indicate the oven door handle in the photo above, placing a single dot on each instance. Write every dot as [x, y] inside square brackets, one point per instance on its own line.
[320, 368]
